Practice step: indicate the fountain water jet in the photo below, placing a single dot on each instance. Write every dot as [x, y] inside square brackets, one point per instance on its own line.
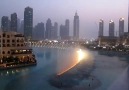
[77, 55]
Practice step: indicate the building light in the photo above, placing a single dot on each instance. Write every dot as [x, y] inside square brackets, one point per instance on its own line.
[16, 51]
[24, 50]
[104, 47]
[87, 42]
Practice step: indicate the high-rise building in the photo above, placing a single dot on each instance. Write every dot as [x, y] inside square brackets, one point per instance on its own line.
[22, 26]
[121, 27]
[13, 23]
[28, 22]
[18, 24]
[67, 28]
[48, 29]
[128, 21]
[39, 31]
[5, 23]
[62, 32]
[101, 27]
[54, 31]
[76, 26]
[111, 28]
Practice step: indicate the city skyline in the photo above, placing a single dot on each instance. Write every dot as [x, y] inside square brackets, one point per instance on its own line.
[90, 13]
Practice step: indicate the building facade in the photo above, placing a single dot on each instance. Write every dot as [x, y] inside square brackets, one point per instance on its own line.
[101, 27]
[121, 27]
[56, 30]
[28, 22]
[67, 27]
[13, 50]
[13, 23]
[5, 23]
[76, 27]
[48, 29]
[63, 32]
[111, 28]
[21, 30]
[39, 32]
[128, 21]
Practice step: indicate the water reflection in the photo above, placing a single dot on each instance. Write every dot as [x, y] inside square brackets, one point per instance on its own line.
[13, 71]
[69, 58]
[45, 53]
[112, 54]
[119, 55]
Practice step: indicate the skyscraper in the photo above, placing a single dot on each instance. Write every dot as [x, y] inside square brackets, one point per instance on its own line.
[22, 26]
[5, 23]
[67, 28]
[54, 31]
[39, 31]
[48, 29]
[18, 24]
[111, 28]
[28, 22]
[76, 26]
[121, 27]
[63, 32]
[13, 22]
[128, 21]
[101, 27]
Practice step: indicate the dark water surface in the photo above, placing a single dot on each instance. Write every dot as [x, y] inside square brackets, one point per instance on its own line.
[111, 71]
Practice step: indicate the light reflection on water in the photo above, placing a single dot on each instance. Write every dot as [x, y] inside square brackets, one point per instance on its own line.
[13, 72]
[70, 58]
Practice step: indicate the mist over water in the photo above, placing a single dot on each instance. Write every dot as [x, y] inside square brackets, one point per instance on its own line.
[69, 58]
[111, 71]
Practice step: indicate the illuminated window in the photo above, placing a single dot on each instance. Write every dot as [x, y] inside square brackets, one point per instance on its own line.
[16, 51]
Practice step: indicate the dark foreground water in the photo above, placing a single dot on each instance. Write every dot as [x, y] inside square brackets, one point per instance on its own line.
[111, 71]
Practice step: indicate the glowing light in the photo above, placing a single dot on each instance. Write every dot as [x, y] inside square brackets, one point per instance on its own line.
[67, 69]
[87, 42]
[81, 55]
[111, 21]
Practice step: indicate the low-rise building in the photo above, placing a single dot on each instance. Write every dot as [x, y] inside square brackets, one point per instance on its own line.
[14, 50]
[107, 41]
